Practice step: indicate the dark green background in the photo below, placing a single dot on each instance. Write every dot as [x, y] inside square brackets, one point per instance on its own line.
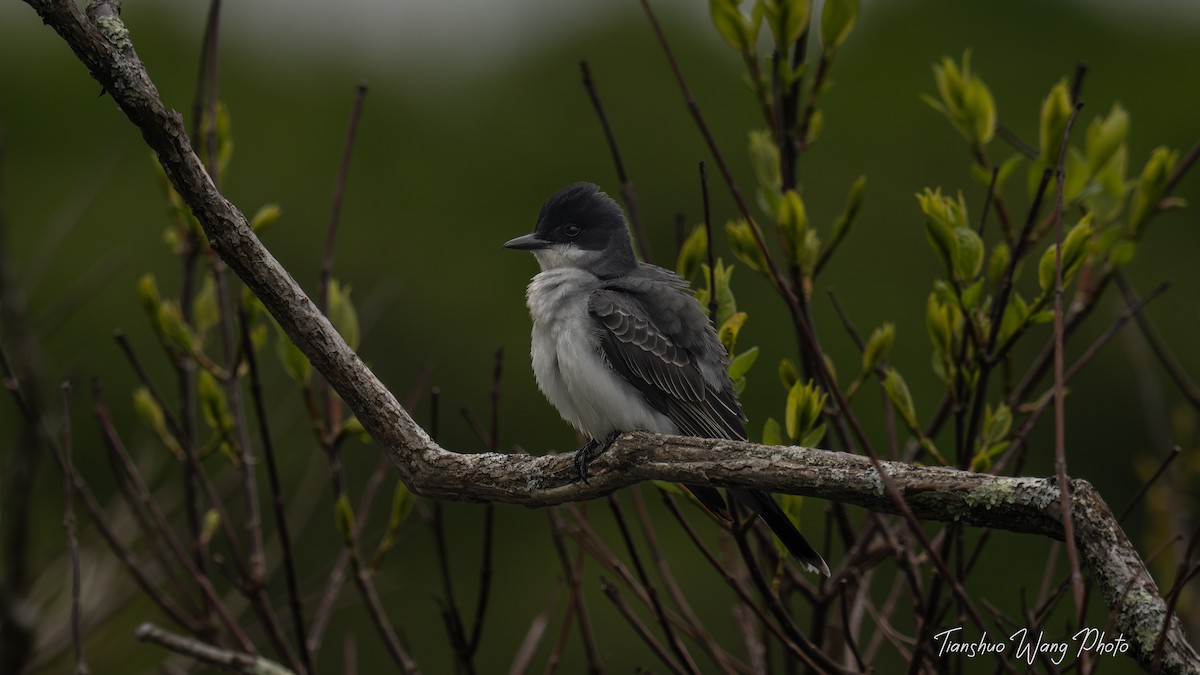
[451, 161]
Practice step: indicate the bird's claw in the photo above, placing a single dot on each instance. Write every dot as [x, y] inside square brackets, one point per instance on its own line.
[590, 451]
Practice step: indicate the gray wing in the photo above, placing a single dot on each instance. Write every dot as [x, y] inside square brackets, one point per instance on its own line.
[657, 338]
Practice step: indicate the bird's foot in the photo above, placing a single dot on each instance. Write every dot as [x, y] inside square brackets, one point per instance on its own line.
[590, 451]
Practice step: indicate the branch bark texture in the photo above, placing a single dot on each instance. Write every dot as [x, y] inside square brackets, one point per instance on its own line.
[1031, 505]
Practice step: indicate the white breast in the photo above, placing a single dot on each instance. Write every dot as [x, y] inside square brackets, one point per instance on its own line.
[568, 364]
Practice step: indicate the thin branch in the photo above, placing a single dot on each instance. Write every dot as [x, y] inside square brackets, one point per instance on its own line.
[1137, 497]
[1176, 372]
[339, 190]
[277, 502]
[239, 662]
[576, 605]
[95, 510]
[685, 661]
[709, 245]
[627, 613]
[628, 194]
[115, 446]
[1060, 422]
[69, 524]
[337, 576]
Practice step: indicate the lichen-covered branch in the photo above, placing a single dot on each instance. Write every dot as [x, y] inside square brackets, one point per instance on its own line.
[1031, 505]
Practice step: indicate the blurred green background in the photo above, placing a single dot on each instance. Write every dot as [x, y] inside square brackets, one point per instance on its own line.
[472, 122]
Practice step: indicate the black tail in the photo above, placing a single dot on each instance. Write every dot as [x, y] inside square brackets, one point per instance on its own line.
[768, 509]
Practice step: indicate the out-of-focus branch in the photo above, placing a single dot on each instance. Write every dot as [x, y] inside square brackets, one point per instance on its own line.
[1019, 504]
[238, 662]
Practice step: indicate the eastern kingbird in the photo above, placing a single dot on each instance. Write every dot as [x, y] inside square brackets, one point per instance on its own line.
[622, 346]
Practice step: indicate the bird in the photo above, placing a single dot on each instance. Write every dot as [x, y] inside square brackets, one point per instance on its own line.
[620, 345]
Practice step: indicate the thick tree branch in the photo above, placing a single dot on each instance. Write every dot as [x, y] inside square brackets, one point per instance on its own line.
[1019, 504]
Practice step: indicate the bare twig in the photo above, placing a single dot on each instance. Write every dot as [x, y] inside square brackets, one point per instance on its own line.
[576, 606]
[1060, 422]
[339, 190]
[1137, 497]
[95, 510]
[337, 576]
[627, 613]
[281, 523]
[709, 245]
[685, 662]
[115, 446]
[69, 524]
[627, 192]
[239, 662]
[1176, 372]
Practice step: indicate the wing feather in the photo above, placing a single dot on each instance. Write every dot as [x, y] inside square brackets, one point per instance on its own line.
[665, 366]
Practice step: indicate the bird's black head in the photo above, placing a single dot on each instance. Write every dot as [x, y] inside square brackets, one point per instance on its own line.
[580, 227]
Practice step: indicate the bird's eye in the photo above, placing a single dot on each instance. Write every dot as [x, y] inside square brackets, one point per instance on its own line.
[571, 230]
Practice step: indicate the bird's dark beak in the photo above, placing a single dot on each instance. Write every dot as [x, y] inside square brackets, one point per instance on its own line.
[529, 242]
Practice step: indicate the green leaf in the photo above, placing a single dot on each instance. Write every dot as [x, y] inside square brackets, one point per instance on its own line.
[294, 361]
[996, 423]
[342, 314]
[969, 260]
[742, 362]
[837, 22]
[745, 246]
[804, 407]
[205, 308]
[794, 410]
[1056, 110]
[1013, 318]
[147, 292]
[764, 157]
[148, 409]
[793, 221]
[772, 435]
[850, 213]
[1122, 254]
[998, 263]
[971, 295]
[942, 321]
[1105, 136]
[673, 488]
[788, 374]
[726, 304]
[1075, 247]
[172, 329]
[979, 110]
[213, 404]
[403, 501]
[209, 525]
[152, 416]
[878, 346]
[733, 26]
[813, 438]
[788, 19]
[343, 517]
[730, 329]
[944, 218]
[965, 101]
[265, 217]
[1150, 187]
[692, 253]
[353, 428]
[897, 391]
